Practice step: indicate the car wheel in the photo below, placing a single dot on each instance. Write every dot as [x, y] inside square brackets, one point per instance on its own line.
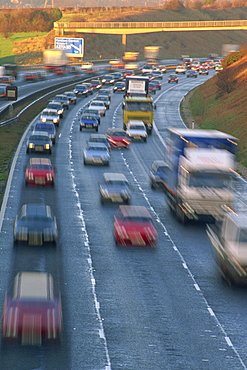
[67, 107]
[168, 81]
[80, 128]
[61, 115]
[176, 82]
[96, 129]
[145, 139]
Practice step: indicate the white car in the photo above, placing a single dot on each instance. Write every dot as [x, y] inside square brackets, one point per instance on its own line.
[180, 69]
[136, 130]
[87, 65]
[99, 106]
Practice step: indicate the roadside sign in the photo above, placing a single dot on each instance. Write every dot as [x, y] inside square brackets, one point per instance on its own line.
[11, 92]
[74, 47]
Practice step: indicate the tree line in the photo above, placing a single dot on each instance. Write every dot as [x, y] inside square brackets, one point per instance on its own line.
[27, 20]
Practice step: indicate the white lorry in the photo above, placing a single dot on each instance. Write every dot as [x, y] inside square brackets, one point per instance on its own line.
[229, 242]
[200, 169]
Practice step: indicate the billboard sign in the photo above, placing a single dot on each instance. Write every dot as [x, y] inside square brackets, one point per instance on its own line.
[74, 47]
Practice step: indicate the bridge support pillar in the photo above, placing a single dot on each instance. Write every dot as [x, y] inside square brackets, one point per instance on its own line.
[124, 39]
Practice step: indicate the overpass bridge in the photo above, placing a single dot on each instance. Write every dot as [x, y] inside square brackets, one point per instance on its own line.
[130, 28]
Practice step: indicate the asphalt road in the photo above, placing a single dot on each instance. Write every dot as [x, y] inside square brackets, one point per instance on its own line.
[124, 308]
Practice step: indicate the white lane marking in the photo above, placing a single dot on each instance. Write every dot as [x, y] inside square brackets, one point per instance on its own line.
[89, 257]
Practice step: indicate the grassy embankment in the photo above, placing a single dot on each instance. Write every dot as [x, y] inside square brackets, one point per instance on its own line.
[213, 107]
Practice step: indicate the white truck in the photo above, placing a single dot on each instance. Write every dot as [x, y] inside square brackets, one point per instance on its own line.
[229, 242]
[55, 59]
[200, 169]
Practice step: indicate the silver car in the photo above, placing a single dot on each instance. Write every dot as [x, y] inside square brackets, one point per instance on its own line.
[136, 130]
[96, 154]
[99, 106]
[50, 115]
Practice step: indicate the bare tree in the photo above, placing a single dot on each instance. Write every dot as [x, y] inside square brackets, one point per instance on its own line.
[225, 81]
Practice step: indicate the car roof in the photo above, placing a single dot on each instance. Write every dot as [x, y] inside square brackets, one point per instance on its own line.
[102, 136]
[134, 211]
[96, 145]
[35, 161]
[112, 130]
[137, 122]
[40, 133]
[47, 110]
[114, 176]
[33, 285]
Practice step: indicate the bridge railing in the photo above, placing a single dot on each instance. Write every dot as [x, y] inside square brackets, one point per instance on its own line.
[127, 25]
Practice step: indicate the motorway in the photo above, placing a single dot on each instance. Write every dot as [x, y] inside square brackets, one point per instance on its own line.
[123, 308]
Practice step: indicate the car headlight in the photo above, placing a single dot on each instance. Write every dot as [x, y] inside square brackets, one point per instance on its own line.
[43, 119]
[47, 146]
[31, 145]
[55, 120]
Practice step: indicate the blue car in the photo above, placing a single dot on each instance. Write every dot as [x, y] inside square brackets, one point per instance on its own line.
[81, 90]
[89, 121]
[158, 174]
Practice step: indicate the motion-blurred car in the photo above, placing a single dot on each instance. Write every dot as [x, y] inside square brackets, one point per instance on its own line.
[157, 74]
[115, 188]
[191, 73]
[46, 127]
[39, 172]
[81, 90]
[118, 76]
[57, 106]
[107, 80]
[203, 71]
[7, 80]
[158, 174]
[89, 87]
[39, 142]
[92, 111]
[71, 96]
[181, 69]
[106, 92]
[32, 311]
[3, 91]
[96, 84]
[105, 99]
[157, 84]
[133, 226]
[119, 86]
[99, 138]
[63, 99]
[35, 224]
[136, 130]
[152, 88]
[99, 106]
[88, 121]
[172, 78]
[50, 115]
[87, 65]
[147, 68]
[118, 138]
[218, 67]
[162, 68]
[96, 154]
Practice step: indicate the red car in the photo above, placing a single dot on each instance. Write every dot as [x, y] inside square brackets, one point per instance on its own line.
[133, 225]
[172, 78]
[32, 312]
[118, 138]
[39, 171]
